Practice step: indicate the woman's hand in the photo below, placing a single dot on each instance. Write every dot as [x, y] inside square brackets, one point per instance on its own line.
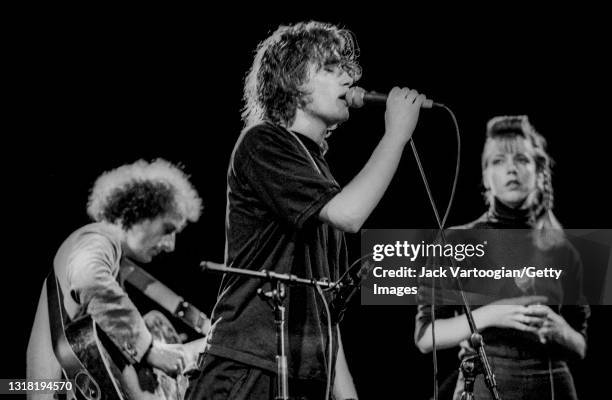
[554, 327]
[511, 313]
[514, 313]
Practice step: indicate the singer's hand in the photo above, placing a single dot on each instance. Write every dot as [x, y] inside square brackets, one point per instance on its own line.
[402, 114]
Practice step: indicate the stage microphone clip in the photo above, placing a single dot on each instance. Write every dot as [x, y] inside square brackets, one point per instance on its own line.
[345, 288]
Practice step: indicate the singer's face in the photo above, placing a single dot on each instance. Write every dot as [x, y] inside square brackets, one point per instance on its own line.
[146, 239]
[326, 88]
[510, 171]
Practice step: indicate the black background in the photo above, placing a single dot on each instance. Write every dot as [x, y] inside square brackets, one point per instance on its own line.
[104, 88]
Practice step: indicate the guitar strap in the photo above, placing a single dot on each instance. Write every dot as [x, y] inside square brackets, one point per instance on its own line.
[165, 297]
[56, 309]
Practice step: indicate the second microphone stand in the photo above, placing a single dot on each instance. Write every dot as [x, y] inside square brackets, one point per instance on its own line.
[274, 297]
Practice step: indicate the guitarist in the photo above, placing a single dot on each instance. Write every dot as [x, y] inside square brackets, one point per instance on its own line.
[138, 209]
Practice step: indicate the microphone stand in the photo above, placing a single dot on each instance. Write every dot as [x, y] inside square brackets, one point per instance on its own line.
[472, 367]
[356, 97]
[274, 298]
[475, 338]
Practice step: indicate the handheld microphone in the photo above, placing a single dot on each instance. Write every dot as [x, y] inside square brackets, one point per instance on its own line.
[357, 97]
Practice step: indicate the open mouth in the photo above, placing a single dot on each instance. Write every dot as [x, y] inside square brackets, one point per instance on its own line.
[513, 184]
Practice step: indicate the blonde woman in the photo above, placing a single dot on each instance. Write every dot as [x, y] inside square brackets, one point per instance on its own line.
[528, 342]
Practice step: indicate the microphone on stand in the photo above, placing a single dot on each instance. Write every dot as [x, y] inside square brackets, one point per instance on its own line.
[209, 265]
[357, 97]
[345, 288]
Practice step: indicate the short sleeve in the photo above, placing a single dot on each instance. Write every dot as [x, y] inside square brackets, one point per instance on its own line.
[282, 175]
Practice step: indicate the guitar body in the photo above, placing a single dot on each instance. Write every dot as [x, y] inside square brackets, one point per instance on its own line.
[96, 374]
[102, 372]
[98, 368]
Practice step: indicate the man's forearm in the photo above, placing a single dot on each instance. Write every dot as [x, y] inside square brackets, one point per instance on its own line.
[349, 209]
[344, 387]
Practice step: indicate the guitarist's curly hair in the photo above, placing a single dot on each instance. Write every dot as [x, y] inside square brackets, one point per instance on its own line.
[140, 191]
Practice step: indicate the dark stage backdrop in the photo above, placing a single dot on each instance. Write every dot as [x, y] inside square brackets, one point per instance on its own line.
[99, 92]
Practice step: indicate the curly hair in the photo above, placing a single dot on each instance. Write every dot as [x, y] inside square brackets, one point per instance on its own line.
[508, 130]
[142, 190]
[281, 64]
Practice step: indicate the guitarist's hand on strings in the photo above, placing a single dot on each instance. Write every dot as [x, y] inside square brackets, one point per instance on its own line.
[170, 358]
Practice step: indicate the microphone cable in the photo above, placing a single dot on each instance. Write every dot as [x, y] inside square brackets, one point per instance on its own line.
[329, 321]
[551, 379]
[441, 225]
[330, 342]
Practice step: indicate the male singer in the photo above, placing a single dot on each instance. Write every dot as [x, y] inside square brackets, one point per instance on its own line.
[287, 214]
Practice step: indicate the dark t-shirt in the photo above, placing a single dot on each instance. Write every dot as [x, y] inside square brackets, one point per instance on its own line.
[274, 196]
